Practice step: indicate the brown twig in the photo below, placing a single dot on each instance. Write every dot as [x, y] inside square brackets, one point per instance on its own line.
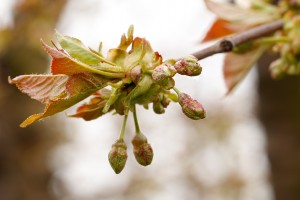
[228, 44]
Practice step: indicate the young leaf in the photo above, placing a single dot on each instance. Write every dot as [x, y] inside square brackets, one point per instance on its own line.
[115, 93]
[236, 66]
[150, 59]
[41, 87]
[245, 17]
[64, 64]
[117, 56]
[126, 41]
[218, 29]
[91, 110]
[76, 88]
[142, 53]
[78, 50]
[140, 89]
[136, 53]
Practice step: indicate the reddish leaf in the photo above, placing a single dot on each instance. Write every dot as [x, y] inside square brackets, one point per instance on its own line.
[236, 66]
[218, 29]
[91, 110]
[63, 64]
[73, 90]
[41, 87]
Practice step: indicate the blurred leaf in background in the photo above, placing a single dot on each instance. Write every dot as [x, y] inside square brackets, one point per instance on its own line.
[24, 173]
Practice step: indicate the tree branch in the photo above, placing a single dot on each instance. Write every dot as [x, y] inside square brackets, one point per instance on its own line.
[229, 43]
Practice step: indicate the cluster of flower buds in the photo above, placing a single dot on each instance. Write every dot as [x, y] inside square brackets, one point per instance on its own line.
[289, 61]
[163, 76]
[142, 151]
[116, 83]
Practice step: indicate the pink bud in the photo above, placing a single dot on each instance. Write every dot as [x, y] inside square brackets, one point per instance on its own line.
[163, 72]
[118, 156]
[142, 150]
[190, 107]
[188, 66]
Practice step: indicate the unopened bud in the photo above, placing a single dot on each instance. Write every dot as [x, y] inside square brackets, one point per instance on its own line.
[118, 155]
[165, 101]
[142, 150]
[163, 72]
[158, 107]
[167, 83]
[188, 66]
[190, 107]
[135, 74]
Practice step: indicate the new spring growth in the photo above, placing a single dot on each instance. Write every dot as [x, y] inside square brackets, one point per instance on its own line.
[188, 66]
[131, 74]
[118, 156]
[190, 107]
[289, 62]
[163, 74]
[142, 150]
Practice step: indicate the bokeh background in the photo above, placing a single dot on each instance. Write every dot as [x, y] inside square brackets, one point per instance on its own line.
[228, 155]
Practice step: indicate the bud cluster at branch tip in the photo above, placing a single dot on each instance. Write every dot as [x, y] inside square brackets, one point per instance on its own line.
[130, 74]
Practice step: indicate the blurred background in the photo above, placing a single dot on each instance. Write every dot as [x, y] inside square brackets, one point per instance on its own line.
[247, 147]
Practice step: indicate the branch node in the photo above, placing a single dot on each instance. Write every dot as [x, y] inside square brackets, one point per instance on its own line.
[226, 45]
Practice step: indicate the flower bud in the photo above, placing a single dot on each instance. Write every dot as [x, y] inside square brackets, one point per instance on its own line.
[117, 156]
[167, 83]
[190, 107]
[142, 150]
[158, 107]
[188, 66]
[165, 101]
[135, 74]
[163, 72]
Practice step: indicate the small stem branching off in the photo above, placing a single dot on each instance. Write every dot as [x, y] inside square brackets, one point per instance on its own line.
[136, 123]
[123, 126]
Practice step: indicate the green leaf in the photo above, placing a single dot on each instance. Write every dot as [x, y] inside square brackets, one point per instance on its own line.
[140, 89]
[117, 56]
[63, 64]
[78, 50]
[126, 41]
[115, 93]
[142, 53]
[136, 53]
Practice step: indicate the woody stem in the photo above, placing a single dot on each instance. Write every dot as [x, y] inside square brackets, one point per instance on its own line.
[229, 43]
